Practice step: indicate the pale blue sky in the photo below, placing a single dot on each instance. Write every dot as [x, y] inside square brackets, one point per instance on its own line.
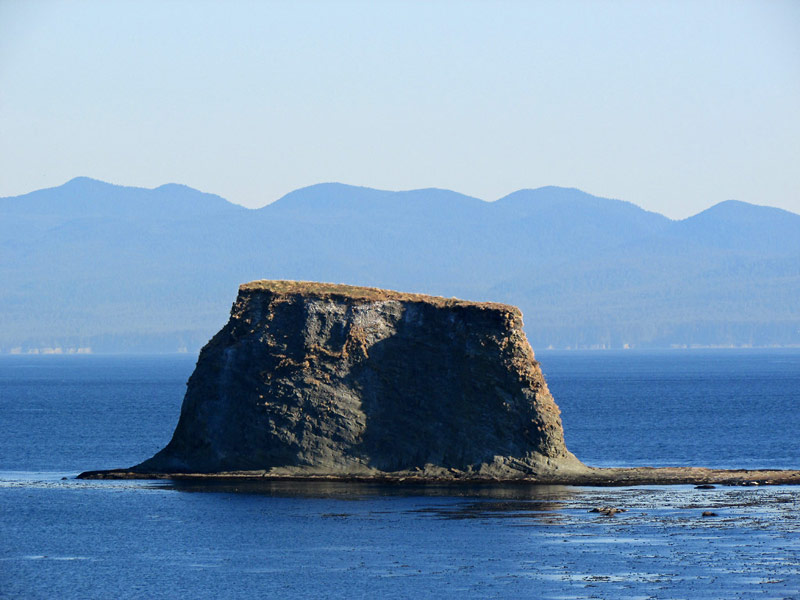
[674, 106]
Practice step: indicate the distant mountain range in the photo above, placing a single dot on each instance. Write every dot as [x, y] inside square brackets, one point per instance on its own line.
[90, 265]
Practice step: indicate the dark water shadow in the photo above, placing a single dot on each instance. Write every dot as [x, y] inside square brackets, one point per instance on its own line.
[355, 490]
[492, 508]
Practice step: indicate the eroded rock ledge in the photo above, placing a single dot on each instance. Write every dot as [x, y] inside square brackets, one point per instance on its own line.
[333, 382]
[590, 477]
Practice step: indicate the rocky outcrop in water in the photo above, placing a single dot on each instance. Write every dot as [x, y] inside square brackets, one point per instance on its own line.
[320, 379]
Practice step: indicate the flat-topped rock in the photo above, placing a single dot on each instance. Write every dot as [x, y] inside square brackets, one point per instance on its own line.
[310, 379]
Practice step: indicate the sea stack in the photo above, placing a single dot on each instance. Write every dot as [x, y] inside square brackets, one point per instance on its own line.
[315, 379]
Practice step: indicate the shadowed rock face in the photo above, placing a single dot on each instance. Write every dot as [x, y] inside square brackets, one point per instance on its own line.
[310, 378]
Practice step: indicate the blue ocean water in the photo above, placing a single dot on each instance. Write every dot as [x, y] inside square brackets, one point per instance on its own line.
[711, 408]
[92, 539]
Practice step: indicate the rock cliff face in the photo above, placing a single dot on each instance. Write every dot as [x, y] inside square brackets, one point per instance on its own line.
[323, 379]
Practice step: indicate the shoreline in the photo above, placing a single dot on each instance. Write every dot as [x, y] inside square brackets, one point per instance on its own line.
[600, 477]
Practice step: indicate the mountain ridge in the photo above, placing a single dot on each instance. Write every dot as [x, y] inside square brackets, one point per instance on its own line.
[563, 191]
[90, 264]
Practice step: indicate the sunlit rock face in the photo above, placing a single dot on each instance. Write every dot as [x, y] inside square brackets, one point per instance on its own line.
[323, 379]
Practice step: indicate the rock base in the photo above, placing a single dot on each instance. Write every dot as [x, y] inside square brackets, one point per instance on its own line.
[587, 477]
